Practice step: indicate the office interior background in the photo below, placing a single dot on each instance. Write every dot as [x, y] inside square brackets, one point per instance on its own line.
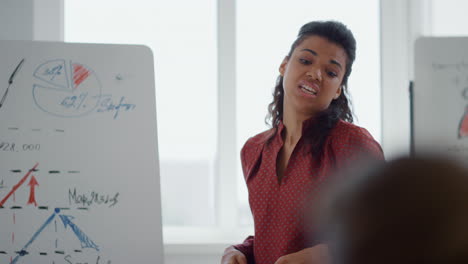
[216, 63]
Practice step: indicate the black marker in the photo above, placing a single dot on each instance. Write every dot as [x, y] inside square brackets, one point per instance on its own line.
[10, 81]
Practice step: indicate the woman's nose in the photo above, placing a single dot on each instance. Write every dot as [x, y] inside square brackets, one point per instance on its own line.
[315, 74]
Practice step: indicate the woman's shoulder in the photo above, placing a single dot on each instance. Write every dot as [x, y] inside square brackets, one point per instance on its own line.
[252, 151]
[260, 139]
[348, 131]
[349, 139]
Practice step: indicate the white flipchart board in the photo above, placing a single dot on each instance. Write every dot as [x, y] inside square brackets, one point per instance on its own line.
[79, 172]
[440, 119]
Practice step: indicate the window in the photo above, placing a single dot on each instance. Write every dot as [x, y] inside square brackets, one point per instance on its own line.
[184, 47]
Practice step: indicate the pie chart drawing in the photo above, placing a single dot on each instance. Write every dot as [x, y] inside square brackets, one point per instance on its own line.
[65, 88]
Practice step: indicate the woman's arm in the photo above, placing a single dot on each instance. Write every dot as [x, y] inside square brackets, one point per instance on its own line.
[313, 255]
[239, 254]
[233, 256]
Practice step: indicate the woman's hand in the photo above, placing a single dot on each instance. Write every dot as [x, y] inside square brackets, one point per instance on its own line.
[314, 255]
[233, 256]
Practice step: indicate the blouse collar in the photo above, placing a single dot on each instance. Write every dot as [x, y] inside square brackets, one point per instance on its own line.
[306, 125]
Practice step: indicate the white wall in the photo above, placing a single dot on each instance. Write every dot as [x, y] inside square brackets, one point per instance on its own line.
[31, 20]
[16, 19]
[402, 21]
[48, 21]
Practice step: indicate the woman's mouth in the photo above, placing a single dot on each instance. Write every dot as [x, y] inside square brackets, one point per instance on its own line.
[307, 89]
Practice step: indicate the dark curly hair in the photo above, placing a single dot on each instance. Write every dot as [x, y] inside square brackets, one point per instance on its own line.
[339, 108]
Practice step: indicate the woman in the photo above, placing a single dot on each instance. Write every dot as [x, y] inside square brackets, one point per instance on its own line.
[312, 135]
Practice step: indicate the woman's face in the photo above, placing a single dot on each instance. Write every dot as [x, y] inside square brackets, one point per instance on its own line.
[312, 75]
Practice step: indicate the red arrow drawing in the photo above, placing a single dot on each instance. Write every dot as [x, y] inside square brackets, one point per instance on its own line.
[13, 190]
[32, 184]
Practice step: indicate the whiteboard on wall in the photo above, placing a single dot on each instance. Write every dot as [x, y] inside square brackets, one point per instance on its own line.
[79, 172]
[440, 97]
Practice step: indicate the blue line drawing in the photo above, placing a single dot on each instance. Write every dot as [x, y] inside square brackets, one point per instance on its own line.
[106, 105]
[47, 222]
[54, 72]
[86, 242]
[39, 86]
[57, 109]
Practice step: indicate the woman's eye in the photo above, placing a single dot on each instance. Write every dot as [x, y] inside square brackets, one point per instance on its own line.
[332, 74]
[305, 62]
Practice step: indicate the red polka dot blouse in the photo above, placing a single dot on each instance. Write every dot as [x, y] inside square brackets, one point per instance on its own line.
[280, 209]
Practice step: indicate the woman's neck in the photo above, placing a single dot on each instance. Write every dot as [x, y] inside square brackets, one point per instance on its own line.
[293, 123]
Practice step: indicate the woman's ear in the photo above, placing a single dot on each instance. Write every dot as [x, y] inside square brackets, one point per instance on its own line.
[338, 92]
[282, 67]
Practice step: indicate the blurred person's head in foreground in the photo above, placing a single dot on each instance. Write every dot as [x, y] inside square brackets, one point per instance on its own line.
[409, 210]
